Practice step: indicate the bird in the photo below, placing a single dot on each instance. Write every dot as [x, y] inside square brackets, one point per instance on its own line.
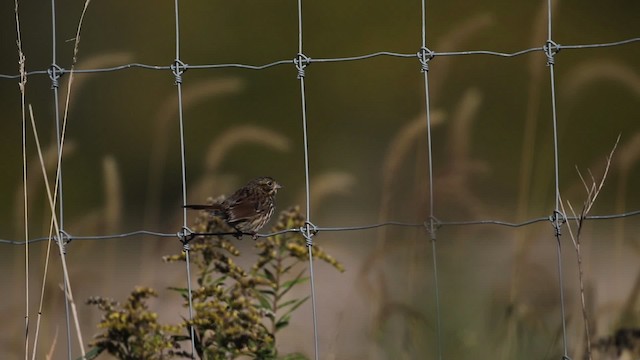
[249, 208]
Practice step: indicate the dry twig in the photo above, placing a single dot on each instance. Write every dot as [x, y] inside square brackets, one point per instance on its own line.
[593, 189]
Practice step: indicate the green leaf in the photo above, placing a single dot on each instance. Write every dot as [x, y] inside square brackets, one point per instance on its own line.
[269, 275]
[264, 302]
[268, 292]
[284, 321]
[287, 268]
[92, 354]
[287, 285]
[182, 291]
[286, 303]
[293, 308]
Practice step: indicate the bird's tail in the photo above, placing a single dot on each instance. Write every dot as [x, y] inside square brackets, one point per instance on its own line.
[203, 206]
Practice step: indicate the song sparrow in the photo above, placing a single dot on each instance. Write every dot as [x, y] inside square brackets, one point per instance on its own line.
[249, 208]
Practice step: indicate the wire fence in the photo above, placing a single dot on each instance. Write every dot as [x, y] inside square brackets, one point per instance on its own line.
[61, 71]
[300, 62]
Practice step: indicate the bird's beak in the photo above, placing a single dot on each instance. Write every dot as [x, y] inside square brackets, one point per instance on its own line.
[277, 186]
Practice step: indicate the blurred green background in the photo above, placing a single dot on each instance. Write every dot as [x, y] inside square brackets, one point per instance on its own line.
[492, 146]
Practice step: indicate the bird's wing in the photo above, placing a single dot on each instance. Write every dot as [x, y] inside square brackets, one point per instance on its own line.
[243, 208]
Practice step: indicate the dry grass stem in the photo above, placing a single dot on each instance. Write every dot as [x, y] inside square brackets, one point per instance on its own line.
[593, 189]
[455, 181]
[327, 184]
[60, 242]
[595, 71]
[461, 121]
[629, 154]
[51, 198]
[453, 40]
[52, 348]
[52, 202]
[399, 150]
[240, 135]
[113, 195]
[219, 150]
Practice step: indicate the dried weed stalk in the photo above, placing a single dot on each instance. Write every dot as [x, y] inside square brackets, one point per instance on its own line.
[593, 189]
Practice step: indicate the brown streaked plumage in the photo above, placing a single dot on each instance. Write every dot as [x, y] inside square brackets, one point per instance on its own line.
[249, 208]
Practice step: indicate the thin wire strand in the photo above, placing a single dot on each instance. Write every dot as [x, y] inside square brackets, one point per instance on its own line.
[59, 187]
[432, 225]
[178, 70]
[22, 85]
[302, 62]
[59, 223]
[62, 240]
[92, 237]
[551, 49]
[191, 329]
[327, 60]
[423, 4]
[49, 240]
[438, 224]
[300, 26]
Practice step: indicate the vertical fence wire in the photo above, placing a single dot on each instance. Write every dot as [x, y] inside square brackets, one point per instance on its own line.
[301, 62]
[178, 68]
[26, 231]
[55, 74]
[22, 86]
[558, 217]
[425, 55]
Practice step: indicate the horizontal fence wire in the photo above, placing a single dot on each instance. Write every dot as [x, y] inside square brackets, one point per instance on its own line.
[319, 229]
[323, 60]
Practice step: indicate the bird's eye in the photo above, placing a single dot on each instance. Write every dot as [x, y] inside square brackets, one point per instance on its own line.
[269, 182]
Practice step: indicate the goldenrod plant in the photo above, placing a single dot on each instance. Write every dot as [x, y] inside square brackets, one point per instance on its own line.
[237, 312]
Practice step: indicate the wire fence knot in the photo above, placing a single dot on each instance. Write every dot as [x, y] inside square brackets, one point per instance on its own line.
[551, 48]
[557, 219]
[309, 230]
[64, 237]
[301, 61]
[432, 225]
[425, 55]
[185, 235]
[178, 68]
[55, 73]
